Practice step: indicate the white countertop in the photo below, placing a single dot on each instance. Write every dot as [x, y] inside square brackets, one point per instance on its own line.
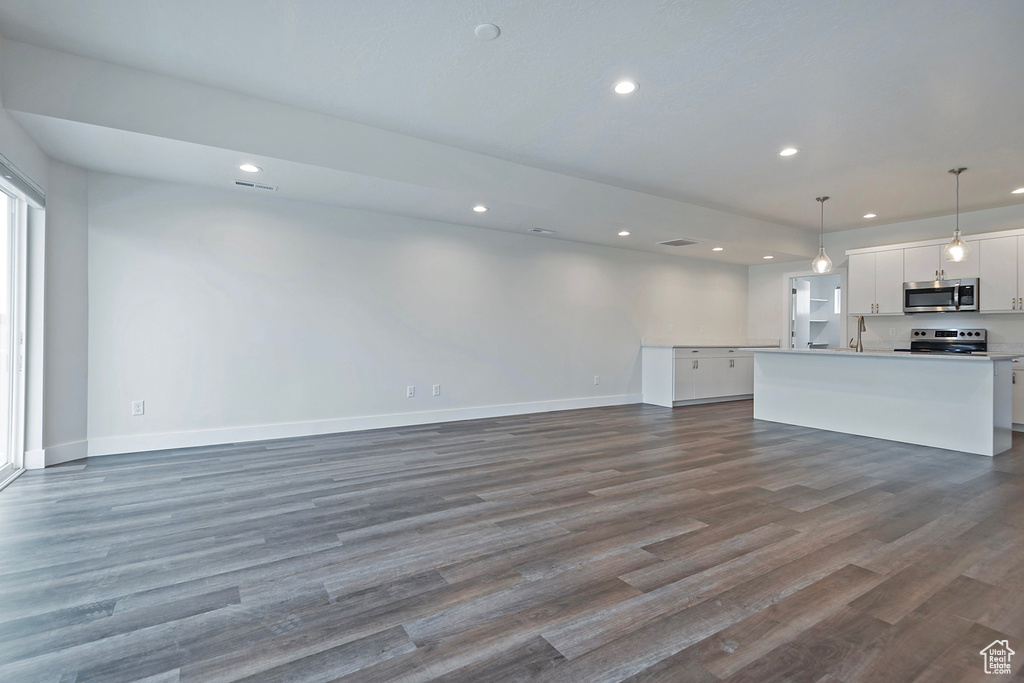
[893, 354]
[745, 346]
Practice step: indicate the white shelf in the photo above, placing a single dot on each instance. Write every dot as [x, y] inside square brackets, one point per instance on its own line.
[813, 299]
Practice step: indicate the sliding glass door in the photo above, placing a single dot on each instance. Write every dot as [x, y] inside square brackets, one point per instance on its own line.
[12, 385]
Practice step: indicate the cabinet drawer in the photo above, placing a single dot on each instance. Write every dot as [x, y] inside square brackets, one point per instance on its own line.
[694, 352]
[733, 353]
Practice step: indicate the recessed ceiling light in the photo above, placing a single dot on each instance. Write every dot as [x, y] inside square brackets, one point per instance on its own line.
[870, 215]
[479, 208]
[1019, 190]
[767, 257]
[487, 31]
[249, 168]
[716, 248]
[788, 152]
[625, 87]
[623, 233]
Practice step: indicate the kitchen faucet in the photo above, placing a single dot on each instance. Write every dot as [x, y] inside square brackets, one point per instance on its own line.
[861, 327]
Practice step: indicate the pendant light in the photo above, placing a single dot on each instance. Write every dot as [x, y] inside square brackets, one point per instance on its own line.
[822, 263]
[957, 250]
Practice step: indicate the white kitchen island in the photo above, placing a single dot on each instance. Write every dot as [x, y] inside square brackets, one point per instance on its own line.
[963, 403]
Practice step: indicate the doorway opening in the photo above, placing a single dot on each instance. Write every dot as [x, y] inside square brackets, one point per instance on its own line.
[816, 312]
[13, 215]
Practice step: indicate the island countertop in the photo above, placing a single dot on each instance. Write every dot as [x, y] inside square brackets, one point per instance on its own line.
[892, 354]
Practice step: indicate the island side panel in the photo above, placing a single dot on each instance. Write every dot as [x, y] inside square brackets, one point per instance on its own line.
[657, 375]
[946, 403]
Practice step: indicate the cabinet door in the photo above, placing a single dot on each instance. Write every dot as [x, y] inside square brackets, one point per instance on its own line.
[921, 263]
[861, 283]
[1018, 395]
[998, 288]
[889, 282]
[742, 376]
[966, 268]
[704, 377]
[682, 389]
[1020, 273]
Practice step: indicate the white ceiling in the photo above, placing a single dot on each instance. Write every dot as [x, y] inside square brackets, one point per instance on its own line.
[880, 97]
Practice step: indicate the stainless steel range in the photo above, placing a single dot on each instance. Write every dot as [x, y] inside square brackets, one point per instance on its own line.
[947, 341]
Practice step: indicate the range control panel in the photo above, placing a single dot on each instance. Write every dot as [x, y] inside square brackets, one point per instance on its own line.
[947, 335]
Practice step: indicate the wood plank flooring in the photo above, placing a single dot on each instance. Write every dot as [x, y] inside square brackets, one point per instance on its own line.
[630, 543]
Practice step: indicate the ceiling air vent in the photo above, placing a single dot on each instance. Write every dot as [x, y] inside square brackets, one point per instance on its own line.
[257, 186]
[679, 243]
[542, 231]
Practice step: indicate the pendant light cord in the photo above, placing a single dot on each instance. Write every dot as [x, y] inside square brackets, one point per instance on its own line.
[957, 172]
[821, 240]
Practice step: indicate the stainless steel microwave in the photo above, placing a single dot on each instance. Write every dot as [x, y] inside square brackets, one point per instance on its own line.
[934, 296]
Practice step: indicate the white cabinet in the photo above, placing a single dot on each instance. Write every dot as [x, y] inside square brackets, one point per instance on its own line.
[1018, 394]
[876, 283]
[999, 284]
[862, 284]
[694, 373]
[889, 282]
[739, 373]
[705, 384]
[679, 375]
[926, 263]
[921, 263]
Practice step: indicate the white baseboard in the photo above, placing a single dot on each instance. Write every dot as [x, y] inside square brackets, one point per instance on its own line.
[111, 445]
[54, 455]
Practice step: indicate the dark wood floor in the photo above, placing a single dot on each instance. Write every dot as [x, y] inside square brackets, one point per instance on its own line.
[628, 543]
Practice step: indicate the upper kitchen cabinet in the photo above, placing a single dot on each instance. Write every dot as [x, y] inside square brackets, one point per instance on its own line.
[1000, 287]
[876, 283]
[925, 263]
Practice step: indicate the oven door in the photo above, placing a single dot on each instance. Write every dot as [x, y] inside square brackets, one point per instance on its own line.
[940, 295]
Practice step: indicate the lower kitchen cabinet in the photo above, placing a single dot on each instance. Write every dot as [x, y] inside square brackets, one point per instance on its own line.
[1018, 394]
[681, 375]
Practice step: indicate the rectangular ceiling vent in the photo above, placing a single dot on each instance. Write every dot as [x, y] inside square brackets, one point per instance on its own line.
[542, 231]
[257, 186]
[679, 243]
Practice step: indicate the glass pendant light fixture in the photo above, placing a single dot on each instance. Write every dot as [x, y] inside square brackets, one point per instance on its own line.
[822, 263]
[957, 250]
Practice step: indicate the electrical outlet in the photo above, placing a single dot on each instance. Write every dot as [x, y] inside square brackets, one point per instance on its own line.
[138, 408]
[892, 331]
[437, 390]
[597, 379]
[410, 392]
[702, 329]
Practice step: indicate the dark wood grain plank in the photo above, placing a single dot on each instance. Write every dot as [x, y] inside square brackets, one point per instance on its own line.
[622, 543]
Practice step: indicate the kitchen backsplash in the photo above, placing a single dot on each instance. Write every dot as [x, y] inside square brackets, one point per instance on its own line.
[1005, 330]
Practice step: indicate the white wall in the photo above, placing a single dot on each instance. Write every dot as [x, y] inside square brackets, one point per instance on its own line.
[57, 316]
[18, 147]
[233, 311]
[766, 282]
[66, 316]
